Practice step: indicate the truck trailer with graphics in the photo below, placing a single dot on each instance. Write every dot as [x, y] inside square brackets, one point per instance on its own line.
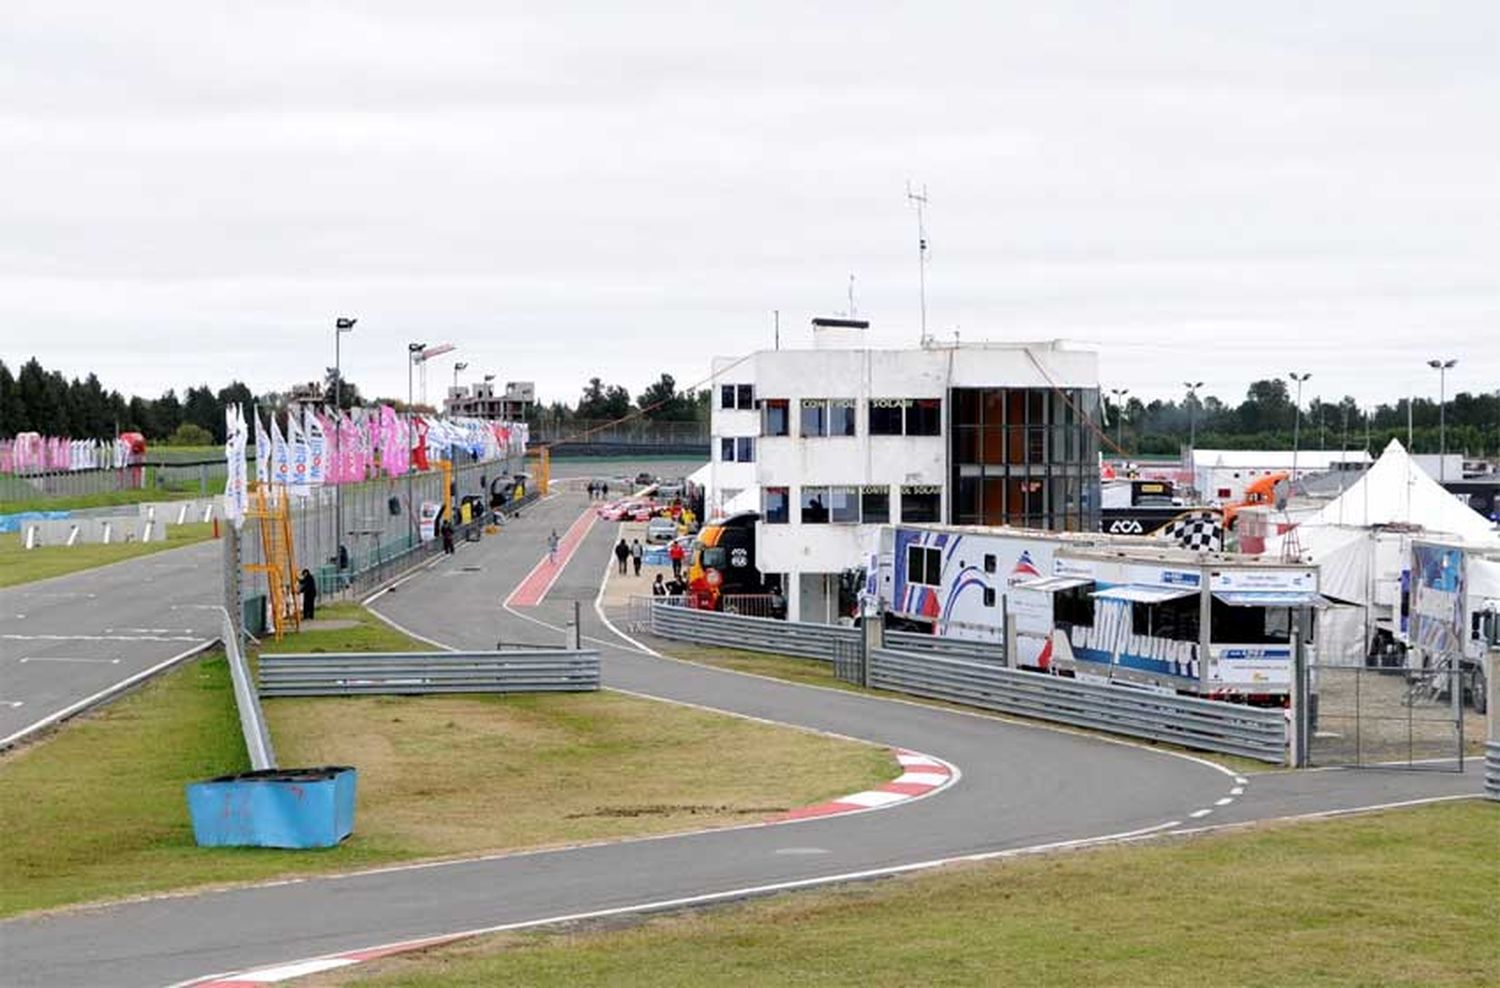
[1135, 612]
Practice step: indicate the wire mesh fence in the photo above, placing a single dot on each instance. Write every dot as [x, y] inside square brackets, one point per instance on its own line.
[1361, 715]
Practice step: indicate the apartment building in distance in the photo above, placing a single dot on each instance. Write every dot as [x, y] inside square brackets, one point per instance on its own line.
[481, 402]
[829, 442]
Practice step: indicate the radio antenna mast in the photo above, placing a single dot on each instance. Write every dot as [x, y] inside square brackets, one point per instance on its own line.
[919, 199]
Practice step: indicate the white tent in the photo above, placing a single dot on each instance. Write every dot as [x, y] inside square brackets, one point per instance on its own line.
[1395, 491]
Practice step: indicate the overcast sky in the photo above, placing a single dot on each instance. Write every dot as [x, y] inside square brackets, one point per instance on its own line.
[1220, 191]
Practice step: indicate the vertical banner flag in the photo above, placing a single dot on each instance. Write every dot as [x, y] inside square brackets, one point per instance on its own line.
[281, 467]
[419, 443]
[317, 449]
[297, 442]
[236, 470]
[262, 449]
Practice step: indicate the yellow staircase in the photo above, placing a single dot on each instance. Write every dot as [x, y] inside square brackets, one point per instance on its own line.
[271, 507]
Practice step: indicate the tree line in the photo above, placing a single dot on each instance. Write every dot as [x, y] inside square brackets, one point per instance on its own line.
[1267, 419]
[34, 399]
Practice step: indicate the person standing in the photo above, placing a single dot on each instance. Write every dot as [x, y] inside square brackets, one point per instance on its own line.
[622, 554]
[447, 531]
[676, 553]
[637, 551]
[309, 588]
[658, 588]
[552, 547]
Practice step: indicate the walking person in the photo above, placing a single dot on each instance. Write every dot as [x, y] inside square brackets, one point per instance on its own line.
[675, 553]
[447, 531]
[552, 548]
[309, 588]
[636, 552]
[622, 554]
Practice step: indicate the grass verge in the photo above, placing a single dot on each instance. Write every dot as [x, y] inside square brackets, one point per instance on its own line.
[98, 809]
[20, 565]
[811, 672]
[99, 499]
[1398, 898]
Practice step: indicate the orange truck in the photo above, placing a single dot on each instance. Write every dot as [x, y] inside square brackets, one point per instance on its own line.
[1257, 492]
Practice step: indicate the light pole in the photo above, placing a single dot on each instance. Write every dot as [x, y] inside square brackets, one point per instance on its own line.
[413, 351]
[1296, 426]
[1119, 396]
[1442, 367]
[341, 325]
[458, 365]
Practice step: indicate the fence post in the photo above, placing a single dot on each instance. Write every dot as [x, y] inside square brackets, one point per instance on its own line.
[575, 630]
[873, 637]
[1298, 728]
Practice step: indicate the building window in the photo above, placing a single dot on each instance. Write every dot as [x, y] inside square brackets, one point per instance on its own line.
[841, 416]
[924, 417]
[989, 562]
[814, 417]
[887, 416]
[920, 503]
[843, 505]
[814, 505]
[775, 416]
[741, 396]
[875, 505]
[776, 507]
[906, 416]
[989, 596]
[739, 449]
[924, 566]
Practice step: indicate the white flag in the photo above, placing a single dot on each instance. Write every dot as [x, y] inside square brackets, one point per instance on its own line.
[317, 450]
[234, 456]
[262, 450]
[297, 445]
[281, 466]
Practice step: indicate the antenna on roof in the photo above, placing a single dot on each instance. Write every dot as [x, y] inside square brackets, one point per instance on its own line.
[919, 199]
[853, 312]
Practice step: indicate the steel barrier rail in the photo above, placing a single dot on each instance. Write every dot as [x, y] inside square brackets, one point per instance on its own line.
[800, 638]
[403, 673]
[1492, 769]
[956, 648]
[1206, 724]
[252, 718]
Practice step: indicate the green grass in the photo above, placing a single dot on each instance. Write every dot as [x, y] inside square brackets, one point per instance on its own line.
[98, 810]
[369, 634]
[99, 499]
[20, 565]
[1398, 898]
[812, 672]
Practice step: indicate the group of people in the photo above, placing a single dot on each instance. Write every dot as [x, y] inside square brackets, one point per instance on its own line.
[663, 587]
[598, 490]
[629, 552]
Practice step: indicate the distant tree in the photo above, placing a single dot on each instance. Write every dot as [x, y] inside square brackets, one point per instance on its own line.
[235, 393]
[662, 401]
[190, 434]
[168, 414]
[347, 391]
[13, 417]
[202, 409]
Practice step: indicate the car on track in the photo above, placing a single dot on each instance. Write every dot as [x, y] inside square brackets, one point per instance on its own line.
[660, 530]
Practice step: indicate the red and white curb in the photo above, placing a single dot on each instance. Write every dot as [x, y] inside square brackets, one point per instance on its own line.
[921, 776]
[316, 965]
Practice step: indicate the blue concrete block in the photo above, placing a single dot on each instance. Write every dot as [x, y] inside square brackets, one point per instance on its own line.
[293, 808]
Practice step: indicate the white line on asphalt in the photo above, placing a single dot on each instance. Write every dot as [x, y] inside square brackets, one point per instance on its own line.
[1326, 814]
[100, 638]
[12, 703]
[1239, 780]
[1237, 791]
[68, 658]
[103, 694]
[1225, 801]
[1199, 813]
[746, 892]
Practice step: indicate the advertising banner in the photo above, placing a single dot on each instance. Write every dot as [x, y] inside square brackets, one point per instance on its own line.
[1437, 598]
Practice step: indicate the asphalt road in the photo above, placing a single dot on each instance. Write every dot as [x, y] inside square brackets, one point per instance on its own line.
[1021, 786]
[66, 639]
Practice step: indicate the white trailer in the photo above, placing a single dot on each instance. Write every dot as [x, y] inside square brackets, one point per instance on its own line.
[1132, 611]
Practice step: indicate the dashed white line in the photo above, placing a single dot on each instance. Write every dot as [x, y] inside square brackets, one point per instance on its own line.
[1237, 791]
[1199, 813]
[1225, 801]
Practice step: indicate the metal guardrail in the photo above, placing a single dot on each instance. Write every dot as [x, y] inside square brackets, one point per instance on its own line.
[252, 718]
[1492, 769]
[953, 648]
[406, 673]
[800, 638]
[1206, 724]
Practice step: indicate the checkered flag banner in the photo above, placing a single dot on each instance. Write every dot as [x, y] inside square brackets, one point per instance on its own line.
[1201, 531]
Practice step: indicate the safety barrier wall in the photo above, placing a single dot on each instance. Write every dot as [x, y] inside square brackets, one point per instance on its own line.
[252, 718]
[972, 673]
[404, 673]
[755, 634]
[1209, 725]
[1492, 769]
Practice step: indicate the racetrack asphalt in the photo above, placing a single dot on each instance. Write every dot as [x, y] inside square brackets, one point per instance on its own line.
[1021, 786]
[68, 638]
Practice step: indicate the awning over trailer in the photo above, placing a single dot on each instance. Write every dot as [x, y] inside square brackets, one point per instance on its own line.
[1271, 598]
[1052, 584]
[1140, 593]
